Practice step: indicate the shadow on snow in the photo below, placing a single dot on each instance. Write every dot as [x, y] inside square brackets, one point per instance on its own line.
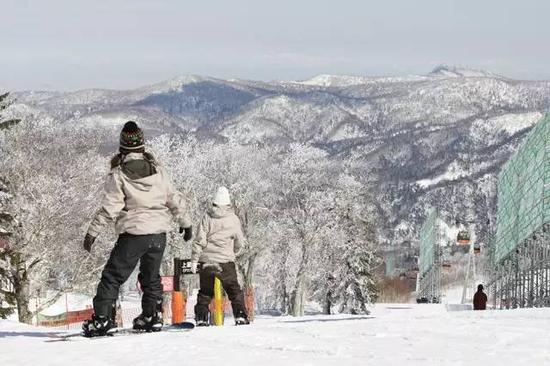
[5, 334]
[327, 320]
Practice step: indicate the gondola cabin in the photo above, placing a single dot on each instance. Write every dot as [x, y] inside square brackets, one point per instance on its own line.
[477, 248]
[463, 237]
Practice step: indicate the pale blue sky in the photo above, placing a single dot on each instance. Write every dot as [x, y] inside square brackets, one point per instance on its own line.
[74, 44]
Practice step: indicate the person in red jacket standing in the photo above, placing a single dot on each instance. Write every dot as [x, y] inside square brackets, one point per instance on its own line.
[480, 299]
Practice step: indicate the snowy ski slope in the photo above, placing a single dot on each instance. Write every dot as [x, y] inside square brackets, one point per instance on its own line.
[404, 334]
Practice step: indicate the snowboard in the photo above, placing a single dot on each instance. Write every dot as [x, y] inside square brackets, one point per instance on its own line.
[178, 327]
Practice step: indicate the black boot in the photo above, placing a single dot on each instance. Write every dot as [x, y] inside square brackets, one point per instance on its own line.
[97, 326]
[241, 318]
[202, 320]
[148, 323]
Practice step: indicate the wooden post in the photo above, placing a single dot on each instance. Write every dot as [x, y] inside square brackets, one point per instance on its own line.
[67, 309]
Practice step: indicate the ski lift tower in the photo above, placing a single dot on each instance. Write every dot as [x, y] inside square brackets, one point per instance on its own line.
[467, 238]
[429, 274]
[470, 277]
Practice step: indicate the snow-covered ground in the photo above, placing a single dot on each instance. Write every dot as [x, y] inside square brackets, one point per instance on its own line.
[403, 334]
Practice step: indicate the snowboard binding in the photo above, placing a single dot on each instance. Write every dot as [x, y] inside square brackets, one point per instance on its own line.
[148, 323]
[98, 326]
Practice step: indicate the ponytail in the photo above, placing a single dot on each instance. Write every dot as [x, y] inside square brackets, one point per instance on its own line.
[116, 160]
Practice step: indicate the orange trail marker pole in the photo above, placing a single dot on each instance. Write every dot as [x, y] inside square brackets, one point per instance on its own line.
[178, 298]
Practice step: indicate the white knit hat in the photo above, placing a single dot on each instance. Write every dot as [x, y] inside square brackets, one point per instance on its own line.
[222, 197]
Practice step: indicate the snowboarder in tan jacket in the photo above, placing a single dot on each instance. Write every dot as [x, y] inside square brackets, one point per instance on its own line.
[219, 238]
[140, 200]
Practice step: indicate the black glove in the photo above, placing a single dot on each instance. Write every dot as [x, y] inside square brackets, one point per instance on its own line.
[88, 242]
[188, 232]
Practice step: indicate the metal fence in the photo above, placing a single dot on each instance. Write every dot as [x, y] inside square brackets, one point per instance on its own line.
[125, 315]
[521, 254]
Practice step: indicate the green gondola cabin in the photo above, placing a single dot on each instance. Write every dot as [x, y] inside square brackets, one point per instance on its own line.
[463, 237]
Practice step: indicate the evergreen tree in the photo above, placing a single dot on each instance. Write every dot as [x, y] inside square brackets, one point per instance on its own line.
[7, 300]
[5, 103]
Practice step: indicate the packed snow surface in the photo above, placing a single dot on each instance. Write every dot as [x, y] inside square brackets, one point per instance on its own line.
[403, 334]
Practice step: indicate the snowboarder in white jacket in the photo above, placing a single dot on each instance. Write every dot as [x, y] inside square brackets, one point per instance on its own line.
[140, 200]
[219, 238]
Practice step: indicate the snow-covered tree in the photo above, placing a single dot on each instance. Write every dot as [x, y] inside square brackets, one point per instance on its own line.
[53, 177]
[310, 234]
[350, 257]
[319, 218]
[199, 168]
[7, 300]
[5, 102]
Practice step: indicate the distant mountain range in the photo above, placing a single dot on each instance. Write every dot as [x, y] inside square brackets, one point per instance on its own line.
[435, 140]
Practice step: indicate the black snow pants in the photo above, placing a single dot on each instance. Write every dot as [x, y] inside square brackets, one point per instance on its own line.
[230, 283]
[129, 249]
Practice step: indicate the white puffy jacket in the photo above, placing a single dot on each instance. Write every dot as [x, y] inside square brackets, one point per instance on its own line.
[219, 237]
[139, 206]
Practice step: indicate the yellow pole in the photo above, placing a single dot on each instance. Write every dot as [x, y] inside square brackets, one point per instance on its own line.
[218, 302]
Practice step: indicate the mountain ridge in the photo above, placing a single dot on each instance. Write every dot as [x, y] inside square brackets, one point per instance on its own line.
[410, 133]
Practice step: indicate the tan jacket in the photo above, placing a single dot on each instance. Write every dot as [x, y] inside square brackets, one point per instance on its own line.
[219, 237]
[139, 206]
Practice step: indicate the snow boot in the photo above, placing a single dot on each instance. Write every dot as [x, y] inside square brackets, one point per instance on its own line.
[241, 319]
[202, 321]
[97, 326]
[148, 323]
